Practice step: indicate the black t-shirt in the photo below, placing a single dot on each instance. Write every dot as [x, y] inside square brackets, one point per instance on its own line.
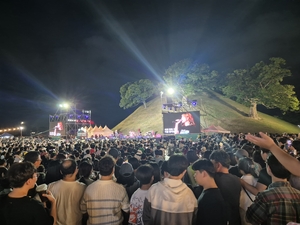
[264, 177]
[235, 171]
[211, 208]
[23, 211]
[230, 187]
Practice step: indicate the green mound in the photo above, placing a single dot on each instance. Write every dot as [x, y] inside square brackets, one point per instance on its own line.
[214, 109]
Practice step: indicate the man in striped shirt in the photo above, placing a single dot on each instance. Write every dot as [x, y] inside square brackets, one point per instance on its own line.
[104, 200]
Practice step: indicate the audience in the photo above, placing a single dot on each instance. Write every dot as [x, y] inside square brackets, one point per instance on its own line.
[149, 189]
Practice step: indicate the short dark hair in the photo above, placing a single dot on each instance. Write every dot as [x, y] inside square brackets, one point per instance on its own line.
[206, 165]
[177, 164]
[192, 156]
[106, 165]
[277, 169]
[220, 156]
[85, 169]
[68, 166]
[19, 173]
[296, 145]
[134, 162]
[144, 174]
[31, 156]
[164, 167]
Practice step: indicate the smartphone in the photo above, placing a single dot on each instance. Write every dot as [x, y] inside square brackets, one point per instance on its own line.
[289, 143]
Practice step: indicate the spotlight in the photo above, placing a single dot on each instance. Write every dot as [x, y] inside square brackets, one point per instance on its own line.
[194, 102]
[171, 91]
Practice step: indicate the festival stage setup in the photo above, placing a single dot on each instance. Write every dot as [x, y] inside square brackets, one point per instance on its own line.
[67, 120]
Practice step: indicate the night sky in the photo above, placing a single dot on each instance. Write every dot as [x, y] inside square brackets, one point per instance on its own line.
[84, 51]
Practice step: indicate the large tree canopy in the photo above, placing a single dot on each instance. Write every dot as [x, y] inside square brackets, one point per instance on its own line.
[136, 93]
[189, 77]
[262, 84]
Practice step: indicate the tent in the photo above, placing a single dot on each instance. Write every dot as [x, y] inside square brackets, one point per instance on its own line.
[215, 129]
[6, 135]
[107, 132]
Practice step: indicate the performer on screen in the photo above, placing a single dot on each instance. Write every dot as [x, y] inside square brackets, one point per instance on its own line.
[59, 127]
[184, 123]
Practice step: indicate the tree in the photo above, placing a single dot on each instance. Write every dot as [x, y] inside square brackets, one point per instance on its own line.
[136, 93]
[262, 84]
[190, 78]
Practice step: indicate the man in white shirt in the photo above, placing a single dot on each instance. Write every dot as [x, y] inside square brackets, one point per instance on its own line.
[68, 193]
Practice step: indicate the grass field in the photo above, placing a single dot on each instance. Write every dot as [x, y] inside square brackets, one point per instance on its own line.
[214, 109]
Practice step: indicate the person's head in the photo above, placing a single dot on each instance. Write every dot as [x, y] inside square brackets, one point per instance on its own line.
[20, 174]
[115, 153]
[204, 169]
[156, 172]
[296, 145]
[240, 153]
[3, 162]
[220, 160]
[177, 165]
[33, 157]
[60, 157]
[276, 169]
[106, 165]
[192, 156]
[60, 126]
[247, 166]
[164, 169]
[145, 174]
[264, 153]
[68, 167]
[134, 162]
[85, 169]
[187, 117]
[126, 175]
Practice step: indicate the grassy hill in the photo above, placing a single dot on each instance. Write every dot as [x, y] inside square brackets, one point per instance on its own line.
[214, 109]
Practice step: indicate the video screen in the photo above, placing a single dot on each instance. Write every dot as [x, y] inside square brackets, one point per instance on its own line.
[57, 129]
[182, 122]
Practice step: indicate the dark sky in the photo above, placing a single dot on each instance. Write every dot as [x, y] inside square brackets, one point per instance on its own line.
[85, 51]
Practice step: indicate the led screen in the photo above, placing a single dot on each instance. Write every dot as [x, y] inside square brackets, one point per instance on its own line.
[182, 122]
[57, 128]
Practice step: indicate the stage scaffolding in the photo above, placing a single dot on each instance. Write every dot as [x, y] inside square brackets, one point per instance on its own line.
[72, 119]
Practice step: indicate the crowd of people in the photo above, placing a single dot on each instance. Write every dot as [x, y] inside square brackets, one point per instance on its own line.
[220, 179]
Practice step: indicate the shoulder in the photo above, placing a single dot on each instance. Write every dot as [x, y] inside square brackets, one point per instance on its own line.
[80, 184]
[53, 184]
